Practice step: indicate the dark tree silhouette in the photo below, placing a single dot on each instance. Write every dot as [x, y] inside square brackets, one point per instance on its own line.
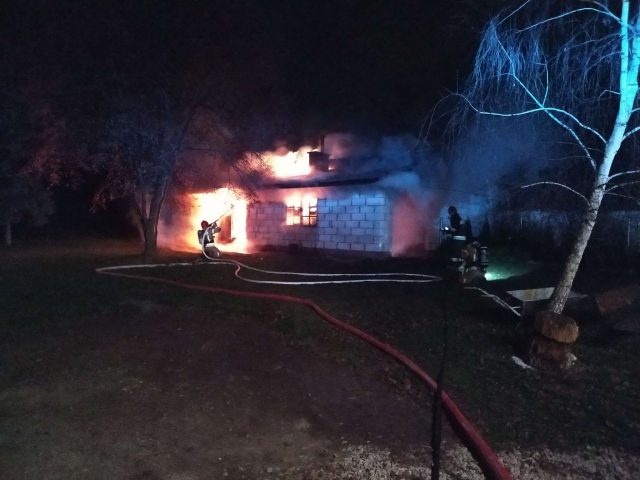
[24, 192]
[150, 84]
[23, 197]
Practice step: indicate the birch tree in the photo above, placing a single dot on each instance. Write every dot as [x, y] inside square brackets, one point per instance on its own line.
[576, 64]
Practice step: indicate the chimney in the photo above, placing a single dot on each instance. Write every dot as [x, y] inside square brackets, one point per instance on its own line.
[319, 160]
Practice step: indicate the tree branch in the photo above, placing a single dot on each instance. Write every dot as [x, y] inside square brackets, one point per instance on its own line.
[629, 172]
[547, 111]
[541, 108]
[562, 185]
[628, 197]
[514, 12]
[634, 182]
[605, 12]
[634, 130]
[609, 91]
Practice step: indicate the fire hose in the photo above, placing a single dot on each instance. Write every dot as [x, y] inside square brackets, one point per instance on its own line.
[471, 438]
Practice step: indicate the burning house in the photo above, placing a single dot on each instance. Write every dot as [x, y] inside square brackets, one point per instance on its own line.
[330, 213]
[343, 196]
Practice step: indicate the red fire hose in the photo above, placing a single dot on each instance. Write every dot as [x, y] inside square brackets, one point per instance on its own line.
[471, 438]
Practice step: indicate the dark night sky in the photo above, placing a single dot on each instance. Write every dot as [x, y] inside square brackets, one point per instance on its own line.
[371, 65]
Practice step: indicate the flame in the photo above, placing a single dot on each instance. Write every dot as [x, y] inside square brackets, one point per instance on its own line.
[226, 204]
[301, 200]
[215, 206]
[285, 163]
[301, 209]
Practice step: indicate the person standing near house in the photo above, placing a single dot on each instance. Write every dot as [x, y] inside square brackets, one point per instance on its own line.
[455, 221]
[456, 237]
[458, 228]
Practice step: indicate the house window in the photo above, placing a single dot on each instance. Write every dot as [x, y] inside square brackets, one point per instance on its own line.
[304, 212]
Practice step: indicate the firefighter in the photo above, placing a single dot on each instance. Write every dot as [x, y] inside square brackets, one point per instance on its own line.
[455, 222]
[471, 270]
[456, 237]
[203, 225]
[206, 237]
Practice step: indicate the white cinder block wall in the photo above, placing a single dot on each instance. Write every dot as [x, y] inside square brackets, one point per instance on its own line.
[353, 221]
[360, 222]
[265, 221]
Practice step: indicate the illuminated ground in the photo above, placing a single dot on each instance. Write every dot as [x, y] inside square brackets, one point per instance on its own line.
[113, 378]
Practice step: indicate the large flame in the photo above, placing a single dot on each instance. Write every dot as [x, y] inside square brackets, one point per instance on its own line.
[284, 163]
[224, 205]
[301, 209]
[216, 206]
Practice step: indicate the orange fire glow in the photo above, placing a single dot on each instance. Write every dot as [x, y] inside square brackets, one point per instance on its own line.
[301, 209]
[229, 208]
[222, 205]
[284, 163]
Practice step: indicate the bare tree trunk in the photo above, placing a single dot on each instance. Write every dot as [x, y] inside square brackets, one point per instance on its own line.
[151, 223]
[563, 287]
[151, 228]
[8, 237]
[151, 239]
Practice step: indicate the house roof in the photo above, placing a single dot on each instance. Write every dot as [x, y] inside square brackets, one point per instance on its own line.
[328, 179]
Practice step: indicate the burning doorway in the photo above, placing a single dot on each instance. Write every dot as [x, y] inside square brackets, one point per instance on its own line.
[225, 224]
[227, 207]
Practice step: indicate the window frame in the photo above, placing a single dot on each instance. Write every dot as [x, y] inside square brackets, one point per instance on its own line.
[299, 216]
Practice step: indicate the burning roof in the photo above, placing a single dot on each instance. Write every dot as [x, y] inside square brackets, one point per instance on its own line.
[339, 161]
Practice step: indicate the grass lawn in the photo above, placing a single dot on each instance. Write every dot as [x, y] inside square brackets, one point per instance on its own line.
[52, 295]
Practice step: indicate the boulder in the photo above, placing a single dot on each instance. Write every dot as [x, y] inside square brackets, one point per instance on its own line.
[556, 327]
[545, 353]
[620, 298]
[627, 321]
